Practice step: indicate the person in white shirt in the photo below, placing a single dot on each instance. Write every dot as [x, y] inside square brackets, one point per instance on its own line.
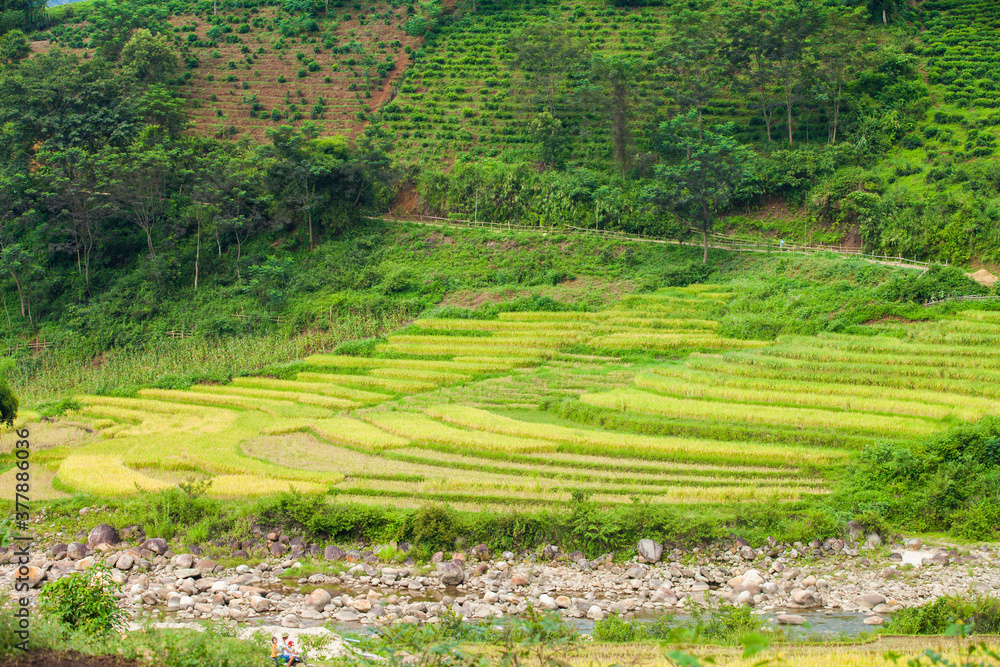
[288, 650]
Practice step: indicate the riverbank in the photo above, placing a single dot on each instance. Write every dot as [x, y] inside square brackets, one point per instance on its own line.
[315, 585]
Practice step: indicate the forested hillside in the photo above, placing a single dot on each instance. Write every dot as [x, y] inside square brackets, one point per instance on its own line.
[161, 157]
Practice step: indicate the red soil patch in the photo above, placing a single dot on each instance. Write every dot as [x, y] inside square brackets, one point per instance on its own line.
[376, 40]
[342, 104]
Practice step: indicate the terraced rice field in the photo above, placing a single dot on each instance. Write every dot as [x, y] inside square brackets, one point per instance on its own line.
[655, 405]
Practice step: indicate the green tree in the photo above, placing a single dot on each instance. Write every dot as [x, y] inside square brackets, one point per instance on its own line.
[14, 47]
[689, 59]
[794, 27]
[552, 139]
[546, 53]
[697, 181]
[8, 399]
[56, 101]
[21, 15]
[150, 57]
[615, 76]
[838, 55]
[84, 601]
[749, 47]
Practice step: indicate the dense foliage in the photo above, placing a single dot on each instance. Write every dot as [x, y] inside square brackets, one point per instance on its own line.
[84, 602]
[952, 484]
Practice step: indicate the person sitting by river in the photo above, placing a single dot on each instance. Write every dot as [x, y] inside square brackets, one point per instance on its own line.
[288, 651]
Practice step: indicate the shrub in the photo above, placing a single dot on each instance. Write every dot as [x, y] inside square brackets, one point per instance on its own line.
[84, 601]
[8, 401]
[934, 618]
[434, 527]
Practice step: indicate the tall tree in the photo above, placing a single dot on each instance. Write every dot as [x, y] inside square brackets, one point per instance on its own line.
[615, 76]
[838, 55]
[151, 57]
[137, 179]
[77, 204]
[749, 29]
[547, 53]
[690, 61]
[794, 27]
[698, 177]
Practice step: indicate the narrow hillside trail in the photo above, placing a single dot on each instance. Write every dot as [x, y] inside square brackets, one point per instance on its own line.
[716, 241]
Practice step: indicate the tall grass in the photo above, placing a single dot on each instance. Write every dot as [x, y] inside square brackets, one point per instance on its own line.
[632, 400]
[637, 446]
[790, 394]
[50, 374]
[422, 429]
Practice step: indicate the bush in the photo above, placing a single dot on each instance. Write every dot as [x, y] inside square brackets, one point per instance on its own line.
[951, 483]
[934, 618]
[8, 401]
[434, 527]
[84, 601]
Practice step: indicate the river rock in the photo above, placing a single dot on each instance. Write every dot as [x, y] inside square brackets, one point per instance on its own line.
[869, 601]
[547, 603]
[363, 605]
[76, 550]
[347, 616]
[157, 545]
[260, 604]
[914, 544]
[804, 599]
[102, 534]
[85, 563]
[791, 619]
[451, 574]
[595, 613]
[318, 599]
[650, 550]
[747, 553]
[124, 562]
[873, 620]
[481, 552]
[182, 561]
[333, 552]
[33, 577]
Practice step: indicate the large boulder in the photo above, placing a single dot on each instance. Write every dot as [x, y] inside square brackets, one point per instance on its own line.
[33, 576]
[182, 561]
[546, 602]
[650, 551]
[103, 534]
[451, 573]
[333, 552]
[805, 599]
[157, 545]
[318, 599]
[791, 619]
[76, 550]
[870, 600]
